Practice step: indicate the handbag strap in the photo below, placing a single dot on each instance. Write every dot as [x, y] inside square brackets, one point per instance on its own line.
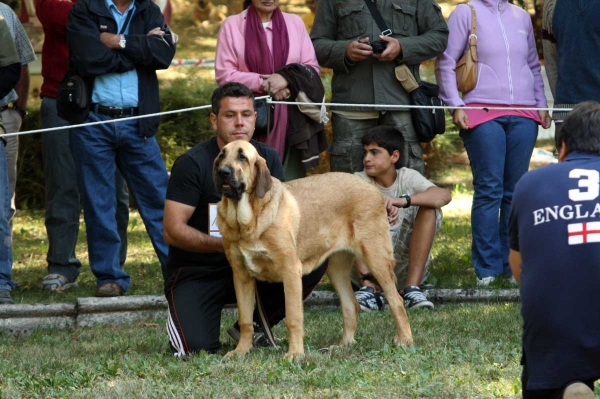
[473, 36]
[385, 31]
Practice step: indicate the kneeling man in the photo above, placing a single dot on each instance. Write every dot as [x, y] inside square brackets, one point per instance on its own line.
[555, 256]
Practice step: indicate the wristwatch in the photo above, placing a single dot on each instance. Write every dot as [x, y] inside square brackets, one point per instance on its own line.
[407, 198]
[122, 41]
[20, 110]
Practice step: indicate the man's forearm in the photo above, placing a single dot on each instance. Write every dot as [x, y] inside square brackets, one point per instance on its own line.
[191, 239]
[22, 88]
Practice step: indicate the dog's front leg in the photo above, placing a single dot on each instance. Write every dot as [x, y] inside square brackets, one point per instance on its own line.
[294, 312]
[245, 287]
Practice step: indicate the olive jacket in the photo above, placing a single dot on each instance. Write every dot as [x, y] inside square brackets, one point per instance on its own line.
[418, 25]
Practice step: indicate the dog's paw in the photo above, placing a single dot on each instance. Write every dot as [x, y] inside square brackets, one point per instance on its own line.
[347, 341]
[294, 355]
[403, 341]
[236, 353]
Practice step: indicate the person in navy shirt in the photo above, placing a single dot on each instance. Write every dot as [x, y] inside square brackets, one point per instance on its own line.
[555, 257]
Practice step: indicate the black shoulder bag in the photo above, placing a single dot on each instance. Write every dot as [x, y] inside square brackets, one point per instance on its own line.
[427, 122]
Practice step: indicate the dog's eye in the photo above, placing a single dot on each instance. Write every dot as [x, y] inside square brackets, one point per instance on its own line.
[242, 157]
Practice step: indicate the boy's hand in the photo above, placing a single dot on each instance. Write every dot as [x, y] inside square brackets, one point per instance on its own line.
[391, 209]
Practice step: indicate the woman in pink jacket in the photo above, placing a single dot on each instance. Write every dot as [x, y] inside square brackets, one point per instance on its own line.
[254, 44]
[499, 143]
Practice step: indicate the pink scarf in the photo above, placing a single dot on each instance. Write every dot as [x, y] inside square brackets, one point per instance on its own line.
[259, 59]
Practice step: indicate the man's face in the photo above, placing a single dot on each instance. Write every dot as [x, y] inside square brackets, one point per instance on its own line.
[377, 160]
[235, 120]
[312, 5]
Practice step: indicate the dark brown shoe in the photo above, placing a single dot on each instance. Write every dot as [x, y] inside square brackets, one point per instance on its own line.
[109, 289]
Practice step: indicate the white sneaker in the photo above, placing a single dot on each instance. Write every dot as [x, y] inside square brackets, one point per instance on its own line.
[485, 281]
[512, 281]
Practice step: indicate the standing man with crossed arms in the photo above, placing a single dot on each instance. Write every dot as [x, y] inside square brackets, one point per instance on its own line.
[116, 46]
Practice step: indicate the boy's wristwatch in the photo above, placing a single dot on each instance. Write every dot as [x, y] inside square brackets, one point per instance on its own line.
[407, 198]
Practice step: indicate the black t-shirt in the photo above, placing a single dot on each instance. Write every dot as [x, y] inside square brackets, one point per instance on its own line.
[191, 183]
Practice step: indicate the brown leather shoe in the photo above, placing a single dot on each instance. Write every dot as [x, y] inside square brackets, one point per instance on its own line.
[109, 289]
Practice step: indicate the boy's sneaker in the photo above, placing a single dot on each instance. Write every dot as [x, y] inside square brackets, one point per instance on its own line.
[5, 298]
[369, 300]
[414, 298]
[426, 286]
[259, 340]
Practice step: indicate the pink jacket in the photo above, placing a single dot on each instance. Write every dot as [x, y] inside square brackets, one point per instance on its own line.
[508, 65]
[230, 64]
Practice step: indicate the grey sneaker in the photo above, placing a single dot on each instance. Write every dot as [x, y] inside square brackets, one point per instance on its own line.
[414, 298]
[259, 340]
[57, 282]
[369, 300]
[485, 281]
[5, 298]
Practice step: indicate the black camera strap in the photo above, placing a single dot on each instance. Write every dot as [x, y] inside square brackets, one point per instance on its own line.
[385, 31]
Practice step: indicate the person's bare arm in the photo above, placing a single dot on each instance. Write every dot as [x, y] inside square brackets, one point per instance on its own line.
[22, 88]
[433, 197]
[177, 232]
[515, 261]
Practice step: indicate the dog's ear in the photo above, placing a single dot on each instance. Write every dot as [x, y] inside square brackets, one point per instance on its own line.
[216, 179]
[263, 178]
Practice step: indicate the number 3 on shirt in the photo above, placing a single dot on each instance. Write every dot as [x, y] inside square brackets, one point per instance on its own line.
[588, 179]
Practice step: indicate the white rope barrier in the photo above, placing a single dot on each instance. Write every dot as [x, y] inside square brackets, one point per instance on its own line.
[116, 120]
[194, 62]
[271, 101]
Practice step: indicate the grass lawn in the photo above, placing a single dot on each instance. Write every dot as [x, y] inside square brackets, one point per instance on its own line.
[461, 351]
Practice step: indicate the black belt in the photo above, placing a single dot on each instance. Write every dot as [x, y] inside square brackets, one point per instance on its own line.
[3, 108]
[114, 112]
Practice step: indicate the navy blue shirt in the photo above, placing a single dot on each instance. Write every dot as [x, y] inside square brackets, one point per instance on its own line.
[555, 224]
[577, 32]
[191, 183]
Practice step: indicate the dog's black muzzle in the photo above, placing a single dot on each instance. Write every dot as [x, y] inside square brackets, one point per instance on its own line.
[226, 183]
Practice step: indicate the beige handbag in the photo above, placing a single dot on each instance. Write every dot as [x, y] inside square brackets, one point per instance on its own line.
[466, 67]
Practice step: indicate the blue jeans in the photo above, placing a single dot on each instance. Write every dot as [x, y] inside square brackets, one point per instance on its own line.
[499, 152]
[5, 237]
[62, 198]
[98, 151]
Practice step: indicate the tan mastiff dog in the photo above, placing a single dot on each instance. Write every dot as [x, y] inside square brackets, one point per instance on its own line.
[277, 232]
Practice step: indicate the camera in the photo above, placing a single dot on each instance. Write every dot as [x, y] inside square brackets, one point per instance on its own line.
[378, 46]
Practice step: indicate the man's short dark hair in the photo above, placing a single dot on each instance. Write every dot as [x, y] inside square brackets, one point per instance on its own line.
[232, 89]
[581, 129]
[387, 137]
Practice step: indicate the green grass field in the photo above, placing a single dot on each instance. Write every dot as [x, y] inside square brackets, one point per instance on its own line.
[460, 352]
